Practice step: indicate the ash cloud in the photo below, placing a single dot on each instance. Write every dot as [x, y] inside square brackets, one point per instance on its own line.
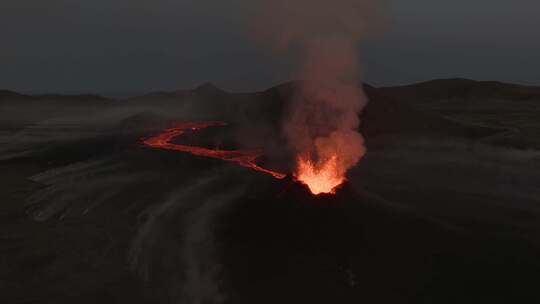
[323, 117]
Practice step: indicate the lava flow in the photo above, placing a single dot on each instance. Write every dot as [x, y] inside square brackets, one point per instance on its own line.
[244, 158]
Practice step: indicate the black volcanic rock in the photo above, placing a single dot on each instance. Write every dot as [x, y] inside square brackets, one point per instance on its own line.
[430, 226]
[341, 248]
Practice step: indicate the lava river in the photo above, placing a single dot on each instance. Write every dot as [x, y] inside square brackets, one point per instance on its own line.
[245, 158]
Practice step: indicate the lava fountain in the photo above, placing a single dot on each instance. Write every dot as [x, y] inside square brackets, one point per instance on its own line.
[322, 130]
[319, 179]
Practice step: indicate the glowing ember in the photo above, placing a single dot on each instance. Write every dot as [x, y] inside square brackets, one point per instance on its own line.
[244, 158]
[322, 178]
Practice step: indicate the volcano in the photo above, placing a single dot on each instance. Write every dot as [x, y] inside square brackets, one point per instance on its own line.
[401, 119]
[190, 196]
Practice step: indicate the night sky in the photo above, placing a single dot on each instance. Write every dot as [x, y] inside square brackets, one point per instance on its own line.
[126, 47]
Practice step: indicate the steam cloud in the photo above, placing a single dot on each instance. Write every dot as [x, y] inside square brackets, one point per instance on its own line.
[323, 121]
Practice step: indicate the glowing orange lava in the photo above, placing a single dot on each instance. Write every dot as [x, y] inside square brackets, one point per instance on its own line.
[322, 178]
[244, 158]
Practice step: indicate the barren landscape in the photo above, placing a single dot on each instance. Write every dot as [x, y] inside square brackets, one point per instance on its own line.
[441, 209]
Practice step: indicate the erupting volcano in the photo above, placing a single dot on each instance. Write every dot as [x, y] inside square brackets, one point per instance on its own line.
[318, 178]
[245, 158]
[322, 122]
[322, 132]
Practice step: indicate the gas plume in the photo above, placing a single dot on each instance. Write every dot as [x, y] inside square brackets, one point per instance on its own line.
[322, 125]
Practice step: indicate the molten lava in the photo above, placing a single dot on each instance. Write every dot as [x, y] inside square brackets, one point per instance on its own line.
[320, 178]
[244, 158]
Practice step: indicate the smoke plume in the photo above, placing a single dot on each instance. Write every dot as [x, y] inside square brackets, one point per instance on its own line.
[322, 125]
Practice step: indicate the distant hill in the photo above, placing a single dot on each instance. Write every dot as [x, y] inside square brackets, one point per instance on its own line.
[444, 89]
[490, 103]
[386, 116]
[263, 112]
[6, 95]
[205, 90]
[389, 115]
[13, 98]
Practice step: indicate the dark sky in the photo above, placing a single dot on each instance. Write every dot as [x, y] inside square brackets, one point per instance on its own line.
[121, 47]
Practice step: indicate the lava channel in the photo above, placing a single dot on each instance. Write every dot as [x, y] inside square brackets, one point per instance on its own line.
[245, 158]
